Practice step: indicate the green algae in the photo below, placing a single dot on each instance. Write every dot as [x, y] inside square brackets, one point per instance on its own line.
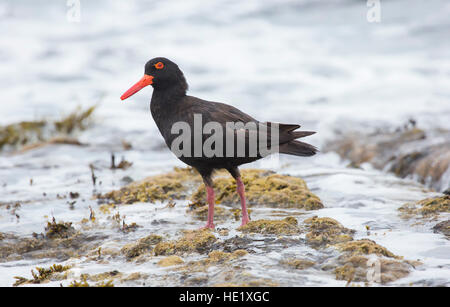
[286, 226]
[326, 230]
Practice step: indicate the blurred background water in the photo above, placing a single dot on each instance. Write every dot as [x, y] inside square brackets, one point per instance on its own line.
[317, 63]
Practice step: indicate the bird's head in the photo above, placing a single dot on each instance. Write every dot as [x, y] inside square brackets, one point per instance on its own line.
[162, 74]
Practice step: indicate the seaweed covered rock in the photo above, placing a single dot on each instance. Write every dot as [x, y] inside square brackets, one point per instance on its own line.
[428, 207]
[59, 230]
[405, 152]
[443, 227]
[170, 261]
[219, 256]
[287, 226]
[39, 132]
[142, 246]
[326, 230]
[61, 242]
[364, 247]
[172, 185]
[298, 264]
[264, 188]
[199, 241]
[366, 261]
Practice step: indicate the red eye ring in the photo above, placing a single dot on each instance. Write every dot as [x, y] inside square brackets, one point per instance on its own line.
[159, 65]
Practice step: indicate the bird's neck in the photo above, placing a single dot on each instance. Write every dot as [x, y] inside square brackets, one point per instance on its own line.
[164, 99]
[169, 94]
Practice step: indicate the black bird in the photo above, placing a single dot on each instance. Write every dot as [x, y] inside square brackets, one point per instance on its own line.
[171, 105]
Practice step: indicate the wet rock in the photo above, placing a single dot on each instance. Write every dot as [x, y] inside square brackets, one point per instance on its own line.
[134, 276]
[265, 188]
[325, 230]
[58, 244]
[443, 227]
[59, 230]
[262, 188]
[364, 247]
[287, 226]
[428, 207]
[299, 264]
[102, 276]
[173, 185]
[366, 261]
[220, 257]
[142, 246]
[200, 211]
[170, 261]
[404, 152]
[199, 241]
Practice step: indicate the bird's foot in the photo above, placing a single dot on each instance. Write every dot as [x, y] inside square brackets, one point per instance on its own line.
[208, 226]
[245, 220]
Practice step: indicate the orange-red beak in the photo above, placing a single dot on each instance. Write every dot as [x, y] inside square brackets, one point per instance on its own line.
[146, 80]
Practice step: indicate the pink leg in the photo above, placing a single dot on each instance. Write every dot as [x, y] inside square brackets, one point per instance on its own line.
[241, 192]
[210, 199]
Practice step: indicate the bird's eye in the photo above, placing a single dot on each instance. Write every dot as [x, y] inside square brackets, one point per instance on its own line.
[159, 65]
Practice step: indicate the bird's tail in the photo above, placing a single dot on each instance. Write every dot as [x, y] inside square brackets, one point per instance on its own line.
[292, 146]
[297, 148]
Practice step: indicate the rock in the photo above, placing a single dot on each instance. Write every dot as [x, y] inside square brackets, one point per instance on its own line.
[192, 241]
[287, 226]
[142, 246]
[404, 152]
[443, 227]
[264, 188]
[299, 264]
[59, 230]
[173, 185]
[325, 231]
[428, 207]
[170, 261]
[356, 265]
[364, 247]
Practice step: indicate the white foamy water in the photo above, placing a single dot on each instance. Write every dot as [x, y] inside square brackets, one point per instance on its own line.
[317, 63]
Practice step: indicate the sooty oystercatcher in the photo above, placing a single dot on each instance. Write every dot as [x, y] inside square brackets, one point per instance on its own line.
[174, 111]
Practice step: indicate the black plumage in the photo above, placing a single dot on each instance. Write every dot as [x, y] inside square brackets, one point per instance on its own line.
[171, 104]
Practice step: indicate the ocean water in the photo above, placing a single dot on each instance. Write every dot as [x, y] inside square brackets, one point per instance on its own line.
[317, 63]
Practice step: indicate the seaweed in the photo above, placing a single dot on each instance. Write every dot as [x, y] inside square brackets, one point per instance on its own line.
[192, 241]
[325, 231]
[286, 226]
[42, 275]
